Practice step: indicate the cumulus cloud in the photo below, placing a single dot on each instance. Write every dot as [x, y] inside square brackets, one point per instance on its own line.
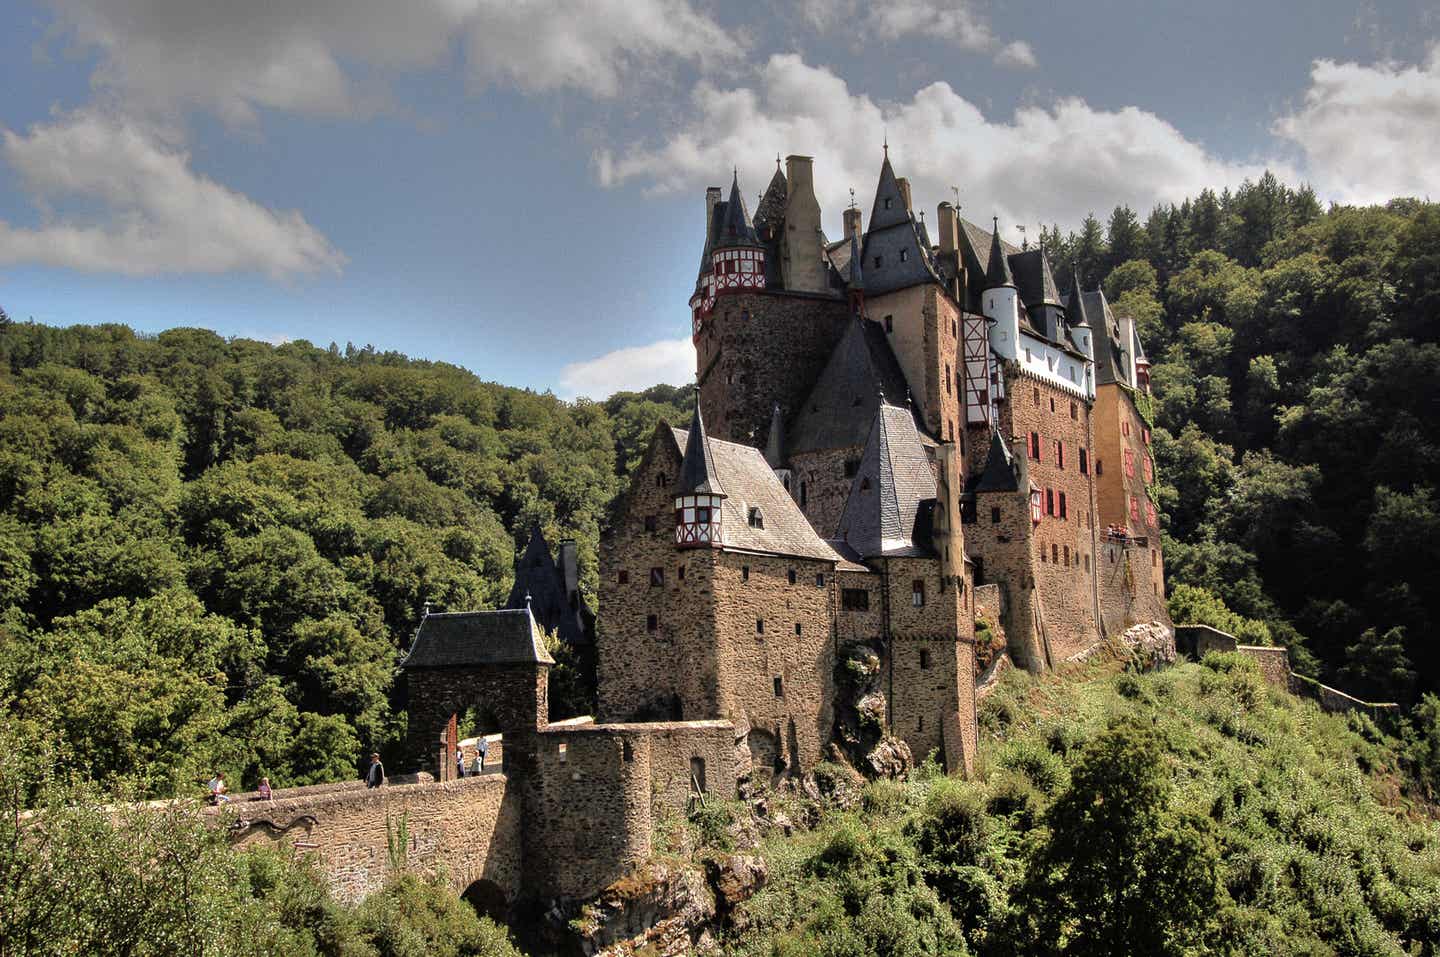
[670, 361]
[955, 21]
[1370, 132]
[1045, 164]
[311, 56]
[141, 209]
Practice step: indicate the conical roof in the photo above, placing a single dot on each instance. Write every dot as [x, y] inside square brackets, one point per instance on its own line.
[999, 274]
[1075, 308]
[736, 229]
[697, 470]
[892, 495]
[893, 213]
[775, 442]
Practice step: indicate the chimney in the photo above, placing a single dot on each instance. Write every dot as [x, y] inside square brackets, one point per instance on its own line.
[950, 247]
[712, 197]
[569, 565]
[904, 184]
[852, 222]
[802, 259]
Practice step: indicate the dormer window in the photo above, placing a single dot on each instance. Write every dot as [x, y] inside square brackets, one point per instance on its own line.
[879, 260]
[904, 255]
[757, 520]
[865, 484]
[887, 202]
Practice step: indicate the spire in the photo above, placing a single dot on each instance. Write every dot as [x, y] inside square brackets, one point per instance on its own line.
[999, 272]
[1076, 307]
[999, 472]
[772, 204]
[736, 230]
[697, 471]
[775, 444]
[889, 208]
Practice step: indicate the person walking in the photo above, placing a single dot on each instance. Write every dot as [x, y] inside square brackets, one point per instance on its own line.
[459, 763]
[264, 792]
[482, 751]
[375, 774]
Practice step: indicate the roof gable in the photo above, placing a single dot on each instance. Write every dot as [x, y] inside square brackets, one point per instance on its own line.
[889, 507]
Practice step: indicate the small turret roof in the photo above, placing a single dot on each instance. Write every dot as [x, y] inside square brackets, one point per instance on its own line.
[999, 272]
[736, 229]
[892, 496]
[1075, 308]
[999, 472]
[697, 470]
[895, 213]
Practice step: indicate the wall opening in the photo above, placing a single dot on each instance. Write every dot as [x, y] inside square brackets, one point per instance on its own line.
[697, 775]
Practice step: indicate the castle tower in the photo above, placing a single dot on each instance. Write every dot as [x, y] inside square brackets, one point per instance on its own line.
[737, 261]
[699, 497]
[1001, 300]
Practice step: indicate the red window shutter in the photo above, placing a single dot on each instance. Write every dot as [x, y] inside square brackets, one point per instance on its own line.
[1134, 509]
[1130, 463]
[1149, 470]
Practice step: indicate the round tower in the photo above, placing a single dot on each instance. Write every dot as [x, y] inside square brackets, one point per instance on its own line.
[737, 260]
[1001, 300]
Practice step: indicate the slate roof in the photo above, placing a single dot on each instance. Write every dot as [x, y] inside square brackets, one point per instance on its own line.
[750, 483]
[892, 497]
[553, 590]
[842, 404]
[698, 475]
[771, 211]
[735, 228]
[712, 229]
[775, 441]
[1139, 349]
[999, 472]
[897, 238]
[999, 271]
[1034, 279]
[1109, 357]
[465, 639]
[1075, 312]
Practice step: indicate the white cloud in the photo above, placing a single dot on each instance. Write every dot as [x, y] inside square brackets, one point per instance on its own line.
[670, 361]
[1370, 133]
[311, 56]
[143, 209]
[1046, 164]
[955, 21]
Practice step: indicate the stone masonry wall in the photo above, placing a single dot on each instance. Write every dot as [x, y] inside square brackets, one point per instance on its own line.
[795, 647]
[760, 348]
[513, 697]
[645, 672]
[673, 747]
[1274, 663]
[1118, 428]
[854, 624]
[924, 336]
[469, 828]
[826, 485]
[999, 541]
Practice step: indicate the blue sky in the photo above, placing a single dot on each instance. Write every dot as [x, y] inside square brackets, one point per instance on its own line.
[517, 186]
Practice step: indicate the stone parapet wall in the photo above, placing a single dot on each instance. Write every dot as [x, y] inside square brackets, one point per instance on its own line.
[469, 829]
[1274, 663]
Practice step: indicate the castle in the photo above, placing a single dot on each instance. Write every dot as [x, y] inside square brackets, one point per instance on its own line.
[892, 440]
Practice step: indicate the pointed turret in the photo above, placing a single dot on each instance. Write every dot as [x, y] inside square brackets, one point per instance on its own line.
[889, 208]
[770, 214]
[736, 230]
[999, 473]
[699, 499]
[1075, 308]
[1082, 332]
[999, 274]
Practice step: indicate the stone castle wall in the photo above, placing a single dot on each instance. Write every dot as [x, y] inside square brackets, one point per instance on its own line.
[826, 485]
[760, 348]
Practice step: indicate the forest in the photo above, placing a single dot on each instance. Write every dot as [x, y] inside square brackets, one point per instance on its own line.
[213, 552]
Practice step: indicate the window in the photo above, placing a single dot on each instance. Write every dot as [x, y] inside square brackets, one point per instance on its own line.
[889, 323]
[1064, 512]
[660, 480]
[995, 515]
[756, 519]
[779, 687]
[790, 576]
[819, 579]
[1130, 463]
[657, 577]
[904, 255]
[1134, 508]
[947, 378]
[804, 495]
[650, 523]
[1059, 454]
[1034, 446]
[652, 623]
[1087, 563]
[1037, 389]
[759, 626]
[1145, 434]
[865, 484]
[1052, 403]
[917, 593]
[1154, 558]
[680, 573]
[920, 723]
[744, 573]
[1125, 427]
[1150, 515]
[1055, 553]
[627, 751]
[855, 599]
[924, 659]
[697, 775]
[797, 628]
[887, 202]
[1049, 501]
[1074, 409]
[879, 260]
[1035, 506]
[1084, 462]
[622, 577]
[851, 467]
[1099, 467]
[561, 750]
[1149, 470]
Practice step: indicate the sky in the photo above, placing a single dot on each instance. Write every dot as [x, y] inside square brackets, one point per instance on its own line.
[517, 186]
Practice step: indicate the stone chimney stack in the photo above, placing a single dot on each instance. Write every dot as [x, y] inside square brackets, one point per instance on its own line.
[852, 222]
[802, 261]
[949, 218]
[904, 183]
[712, 197]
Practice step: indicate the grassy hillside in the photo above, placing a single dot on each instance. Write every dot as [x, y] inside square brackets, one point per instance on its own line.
[1191, 811]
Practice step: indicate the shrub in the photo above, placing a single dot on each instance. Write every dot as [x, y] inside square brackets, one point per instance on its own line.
[1042, 766]
[952, 828]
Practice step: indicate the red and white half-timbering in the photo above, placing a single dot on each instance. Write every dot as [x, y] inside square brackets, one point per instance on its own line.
[978, 387]
[697, 521]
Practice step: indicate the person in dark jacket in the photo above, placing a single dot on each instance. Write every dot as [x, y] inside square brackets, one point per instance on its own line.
[375, 774]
